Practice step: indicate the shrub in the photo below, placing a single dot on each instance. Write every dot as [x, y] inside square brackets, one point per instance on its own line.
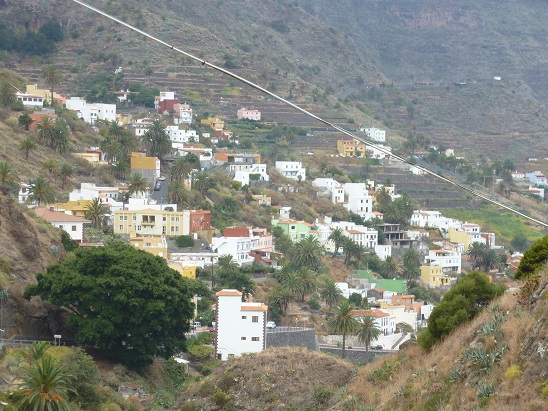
[189, 406]
[322, 394]
[200, 352]
[184, 241]
[534, 258]
[513, 372]
[220, 398]
[314, 304]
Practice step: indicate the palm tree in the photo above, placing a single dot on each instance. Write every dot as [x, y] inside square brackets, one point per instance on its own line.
[176, 192]
[368, 332]
[308, 281]
[226, 263]
[488, 259]
[330, 293]
[8, 177]
[38, 349]
[337, 236]
[307, 252]
[200, 182]
[412, 263]
[121, 168]
[389, 267]
[137, 184]
[51, 165]
[51, 76]
[383, 197]
[180, 169]
[65, 171]
[282, 296]
[344, 323]
[40, 191]
[45, 130]
[475, 251]
[359, 254]
[7, 94]
[391, 213]
[97, 213]
[156, 140]
[292, 283]
[44, 386]
[349, 247]
[27, 145]
[59, 136]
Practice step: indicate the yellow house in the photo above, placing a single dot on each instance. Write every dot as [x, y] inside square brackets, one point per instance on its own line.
[350, 148]
[77, 208]
[187, 271]
[152, 222]
[214, 122]
[434, 276]
[153, 244]
[461, 237]
[148, 167]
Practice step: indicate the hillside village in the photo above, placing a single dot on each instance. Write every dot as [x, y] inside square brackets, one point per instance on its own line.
[277, 246]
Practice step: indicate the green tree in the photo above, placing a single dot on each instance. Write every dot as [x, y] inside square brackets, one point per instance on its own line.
[389, 267]
[137, 184]
[330, 293]
[460, 304]
[383, 198]
[44, 385]
[344, 323]
[52, 77]
[8, 177]
[308, 281]
[307, 252]
[51, 165]
[411, 264]
[226, 263]
[121, 169]
[475, 251]
[45, 130]
[520, 242]
[180, 169]
[368, 332]
[25, 121]
[183, 241]
[337, 236]
[533, 259]
[356, 299]
[156, 140]
[97, 213]
[349, 247]
[176, 192]
[27, 145]
[40, 191]
[125, 301]
[488, 259]
[7, 94]
[65, 171]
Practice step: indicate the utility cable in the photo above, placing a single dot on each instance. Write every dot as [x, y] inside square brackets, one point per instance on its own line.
[382, 149]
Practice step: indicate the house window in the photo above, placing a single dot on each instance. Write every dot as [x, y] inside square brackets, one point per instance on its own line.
[138, 228]
[244, 317]
[121, 218]
[254, 338]
[61, 226]
[134, 218]
[255, 319]
[125, 218]
[121, 227]
[244, 338]
[73, 228]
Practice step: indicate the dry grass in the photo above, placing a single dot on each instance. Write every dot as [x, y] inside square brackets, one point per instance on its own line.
[276, 379]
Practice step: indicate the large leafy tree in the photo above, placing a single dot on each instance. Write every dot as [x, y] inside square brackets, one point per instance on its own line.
[533, 259]
[126, 301]
[344, 323]
[368, 332]
[460, 304]
[43, 386]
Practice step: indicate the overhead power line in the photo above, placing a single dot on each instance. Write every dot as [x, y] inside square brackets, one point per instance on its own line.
[308, 113]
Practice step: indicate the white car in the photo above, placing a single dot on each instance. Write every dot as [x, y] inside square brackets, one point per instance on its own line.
[271, 325]
[162, 178]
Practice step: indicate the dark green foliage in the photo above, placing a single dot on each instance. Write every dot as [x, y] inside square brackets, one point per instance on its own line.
[463, 302]
[423, 294]
[125, 301]
[184, 241]
[520, 242]
[314, 304]
[53, 31]
[145, 96]
[356, 300]
[68, 243]
[25, 120]
[534, 258]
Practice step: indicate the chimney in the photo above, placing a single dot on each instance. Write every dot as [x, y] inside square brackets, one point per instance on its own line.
[51, 208]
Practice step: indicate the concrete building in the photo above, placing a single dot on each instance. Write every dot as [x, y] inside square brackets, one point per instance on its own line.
[350, 148]
[73, 225]
[244, 113]
[239, 242]
[375, 134]
[91, 113]
[148, 167]
[291, 169]
[152, 222]
[240, 326]
[449, 261]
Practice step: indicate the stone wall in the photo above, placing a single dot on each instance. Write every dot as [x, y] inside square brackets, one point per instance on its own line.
[294, 338]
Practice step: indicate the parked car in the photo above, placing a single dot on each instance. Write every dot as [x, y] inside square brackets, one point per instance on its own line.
[271, 325]
[377, 347]
[162, 178]
[157, 186]
[212, 329]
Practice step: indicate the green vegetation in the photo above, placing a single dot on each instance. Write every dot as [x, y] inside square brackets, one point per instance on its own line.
[461, 303]
[533, 259]
[126, 301]
[183, 241]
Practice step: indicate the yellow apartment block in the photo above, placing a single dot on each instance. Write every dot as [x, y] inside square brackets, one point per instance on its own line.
[214, 122]
[350, 148]
[153, 244]
[152, 222]
[461, 237]
[187, 271]
[434, 276]
[76, 207]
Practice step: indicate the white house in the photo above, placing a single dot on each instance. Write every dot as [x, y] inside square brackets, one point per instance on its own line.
[359, 201]
[239, 242]
[30, 100]
[73, 225]
[249, 114]
[141, 125]
[383, 251]
[240, 326]
[326, 185]
[537, 178]
[91, 113]
[360, 234]
[449, 261]
[184, 113]
[177, 135]
[24, 192]
[291, 169]
[375, 134]
[164, 95]
[383, 319]
[382, 153]
[242, 172]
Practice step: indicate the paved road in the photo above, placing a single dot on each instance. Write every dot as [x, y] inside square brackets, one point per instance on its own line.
[160, 195]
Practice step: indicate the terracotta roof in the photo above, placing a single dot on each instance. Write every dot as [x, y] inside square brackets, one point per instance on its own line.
[229, 293]
[261, 307]
[58, 217]
[372, 313]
